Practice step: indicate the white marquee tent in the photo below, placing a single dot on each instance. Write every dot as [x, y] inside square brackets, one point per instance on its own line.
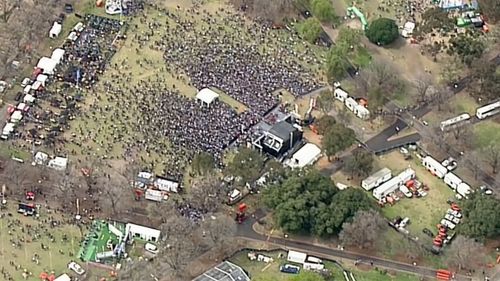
[55, 30]
[42, 78]
[16, 116]
[47, 64]
[29, 98]
[306, 155]
[58, 163]
[142, 232]
[207, 96]
[58, 54]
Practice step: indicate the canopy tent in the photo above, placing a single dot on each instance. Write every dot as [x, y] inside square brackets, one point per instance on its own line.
[58, 54]
[307, 155]
[58, 163]
[142, 232]
[55, 30]
[29, 98]
[47, 64]
[27, 89]
[79, 27]
[23, 107]
[36, 86]
[207, 96]
[8, 129]
[41, 158]
[164, 184]
[72, 36]
[16, 116]
[42, 78]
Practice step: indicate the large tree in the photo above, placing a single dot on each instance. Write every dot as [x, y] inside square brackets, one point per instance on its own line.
[382, 31]
[465, 253]
[364, 229]
[323, 10]
[485, 82]
[336, 64]
[310, 30]
[491, 154]
[207, 193]
[203, 163]
[467, 48]
[360, 164]
[482, 219]
[337, 138]
[297, 199]
[325, 101]
[246, 164]
[324, 123]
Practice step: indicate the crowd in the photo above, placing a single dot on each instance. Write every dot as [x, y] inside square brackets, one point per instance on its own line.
[234, 60]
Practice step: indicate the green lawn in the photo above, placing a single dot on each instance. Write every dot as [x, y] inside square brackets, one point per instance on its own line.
[271, 271]
[423, 212]
[54, 259]
[486, 132]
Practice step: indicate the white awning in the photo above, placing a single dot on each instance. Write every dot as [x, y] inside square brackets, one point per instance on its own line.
[58, 54]
[47, 64]
[16, 116]
[29, 98]
[55, 30]
[207, 96]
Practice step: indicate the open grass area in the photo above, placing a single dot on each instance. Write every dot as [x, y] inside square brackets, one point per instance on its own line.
[16, 228]
[423, 212]
[271, 271]
[486, 132]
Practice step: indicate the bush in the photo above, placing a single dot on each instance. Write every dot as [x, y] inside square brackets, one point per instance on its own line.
[323, 10]
[382, 31]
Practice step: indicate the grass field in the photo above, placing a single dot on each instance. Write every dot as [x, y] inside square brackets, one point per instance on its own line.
[55, 259]
[486, 132]
[271, 271]
[423, 212]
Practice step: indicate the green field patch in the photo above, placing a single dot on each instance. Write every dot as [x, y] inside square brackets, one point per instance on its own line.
[486, 132]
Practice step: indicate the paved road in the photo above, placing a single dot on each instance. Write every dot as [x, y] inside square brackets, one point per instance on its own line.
[246, 231]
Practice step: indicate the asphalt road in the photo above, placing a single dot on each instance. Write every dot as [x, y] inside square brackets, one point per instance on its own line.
[246, 231]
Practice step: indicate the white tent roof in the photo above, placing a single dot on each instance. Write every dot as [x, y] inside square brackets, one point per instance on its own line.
[58, 163]
[9, 128]
[55, 30]
[29, 98]
[27, 89]
[57, 54]
[135, 228]
[22, 106]
[47, 64]
[305, 156]
[79, 27]
[16, 116]
[36, 85]
[166, 185]
[72, 36]
[42, 78]
[207, 96]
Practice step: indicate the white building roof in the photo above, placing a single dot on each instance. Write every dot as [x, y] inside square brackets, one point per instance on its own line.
[58, 163]
[22, 106]
[305, 156]
[79, 27]
[58, 54]
[135, 228]
[166, 185]
[36, 85]
[29, 98]
[55, 30]
[47, 64]
[42, 78]
[16, 116]
[9, 128]
[207, 96]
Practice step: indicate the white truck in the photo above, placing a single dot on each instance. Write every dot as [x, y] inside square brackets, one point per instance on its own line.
[464, 190]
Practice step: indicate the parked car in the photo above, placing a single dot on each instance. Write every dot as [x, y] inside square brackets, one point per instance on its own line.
[25, 82]
[152, 248]
[448, 224]
[486, 190]
[76, 268]
[404, 222]
[428, 232]
[406, 191]
[456, 214]
[452, 219]
[450, 163]
[288, 268]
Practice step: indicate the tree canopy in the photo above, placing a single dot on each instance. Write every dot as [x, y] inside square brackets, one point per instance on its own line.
[203, 163]
[308, 202]
[246, 164]
[382, 31]
[310, 29]
[467, 48]
[360, 164]
[482, 219]
[336, 64]
[323, 10]
[337, 138]
[324, 123]
[364, 230]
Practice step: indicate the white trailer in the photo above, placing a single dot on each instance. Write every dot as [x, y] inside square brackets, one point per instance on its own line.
[376, 179]
[351, 103]
[296, 257]
[153, 195]
[452, 180]
[433, 166]
[361, 112]
[464, 190]
[454, 122]
[340, 94]
[313, 266]
[387, 188]
[488, 110]
[407, 175]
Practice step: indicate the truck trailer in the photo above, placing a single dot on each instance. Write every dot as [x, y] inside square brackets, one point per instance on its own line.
[452, 180]
[433, 166]
[376, 179]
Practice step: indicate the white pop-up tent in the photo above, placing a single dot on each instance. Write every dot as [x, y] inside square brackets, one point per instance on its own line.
[16, 116]
[29, 99]
[79, 27]
[22, 106]
[207, 96]
[27, 89]
[55, 30]
[58, 163]
[47, 64]
[306, 155]
[58, 54]
[8, 129]
[72, 36]
[42, 78]
[36, 86]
